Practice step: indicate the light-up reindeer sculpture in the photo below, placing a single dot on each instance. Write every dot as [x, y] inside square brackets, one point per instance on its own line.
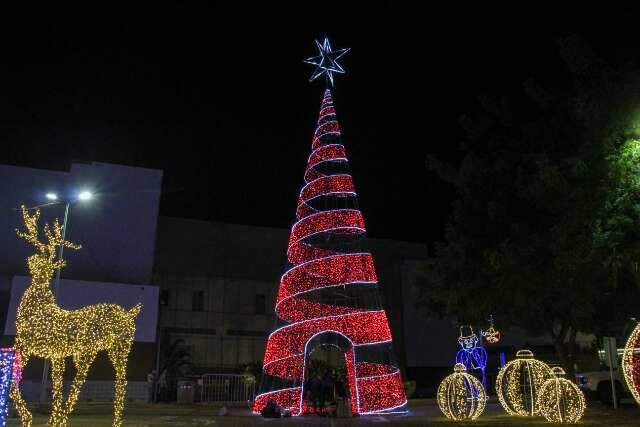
[48, 331]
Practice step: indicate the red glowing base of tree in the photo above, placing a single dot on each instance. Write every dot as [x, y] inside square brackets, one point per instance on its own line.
[329, 294]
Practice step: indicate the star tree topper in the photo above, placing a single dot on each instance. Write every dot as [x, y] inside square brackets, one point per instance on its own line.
[327, 62]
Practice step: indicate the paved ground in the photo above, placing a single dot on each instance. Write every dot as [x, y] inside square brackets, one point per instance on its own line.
[423, 413]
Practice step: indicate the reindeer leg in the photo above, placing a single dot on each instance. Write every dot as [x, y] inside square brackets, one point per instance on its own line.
[58, 417]
[21, 406]
[119, 356]
[82, 364]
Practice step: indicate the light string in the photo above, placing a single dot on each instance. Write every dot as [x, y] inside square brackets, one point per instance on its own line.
[9, 372]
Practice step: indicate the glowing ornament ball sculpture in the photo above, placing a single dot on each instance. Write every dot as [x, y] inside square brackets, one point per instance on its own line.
[491, 335]
[631, 363]
[461, 396]
[560, 400]
[45, 330]
[518, 384]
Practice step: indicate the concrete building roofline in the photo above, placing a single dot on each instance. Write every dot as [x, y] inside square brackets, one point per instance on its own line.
[83, 163]
[414, 246]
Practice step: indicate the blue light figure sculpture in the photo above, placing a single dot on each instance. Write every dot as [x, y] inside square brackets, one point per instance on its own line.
[7, 358]
[472, 354]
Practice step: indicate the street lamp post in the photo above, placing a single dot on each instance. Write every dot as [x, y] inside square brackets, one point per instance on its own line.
[82, 196]
[56, 287]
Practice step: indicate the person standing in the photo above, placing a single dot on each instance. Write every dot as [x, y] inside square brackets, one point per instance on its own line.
[326, 391]
[163, 386]
[343, 409]
[152, 378]
[315, 390]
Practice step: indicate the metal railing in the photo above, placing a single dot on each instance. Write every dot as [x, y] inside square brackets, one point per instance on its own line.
[228, 388]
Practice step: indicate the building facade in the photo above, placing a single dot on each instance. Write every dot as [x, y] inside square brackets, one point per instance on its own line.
[219, 281]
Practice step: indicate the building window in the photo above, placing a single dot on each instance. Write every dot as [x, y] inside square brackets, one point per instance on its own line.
[197, 301]
[260, 304]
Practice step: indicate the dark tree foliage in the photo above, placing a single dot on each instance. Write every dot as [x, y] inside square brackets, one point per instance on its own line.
[544, 233]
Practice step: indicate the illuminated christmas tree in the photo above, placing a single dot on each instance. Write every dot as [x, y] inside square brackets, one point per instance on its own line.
[329, 294]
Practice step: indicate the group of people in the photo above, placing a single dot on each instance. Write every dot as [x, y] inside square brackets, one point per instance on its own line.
[272, 410]
[323, 395]
[326, 396]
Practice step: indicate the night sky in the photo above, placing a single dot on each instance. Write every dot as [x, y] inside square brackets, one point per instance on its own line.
[228, 113]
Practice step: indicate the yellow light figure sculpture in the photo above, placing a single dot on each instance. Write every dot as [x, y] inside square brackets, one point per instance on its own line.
[45, 330]
[560, 400]
[461, 396]
[631, 363]
[518, 382]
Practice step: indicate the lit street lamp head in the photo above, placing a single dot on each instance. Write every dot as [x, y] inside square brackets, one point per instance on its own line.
[51, 196]
[85, 195]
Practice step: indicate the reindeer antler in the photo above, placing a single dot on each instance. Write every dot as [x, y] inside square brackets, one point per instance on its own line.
[31, 223]
[54, 235]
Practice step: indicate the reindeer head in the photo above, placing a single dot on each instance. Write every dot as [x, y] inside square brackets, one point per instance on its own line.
[43, 263]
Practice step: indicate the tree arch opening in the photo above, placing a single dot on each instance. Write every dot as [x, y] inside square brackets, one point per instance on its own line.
[328, 371]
